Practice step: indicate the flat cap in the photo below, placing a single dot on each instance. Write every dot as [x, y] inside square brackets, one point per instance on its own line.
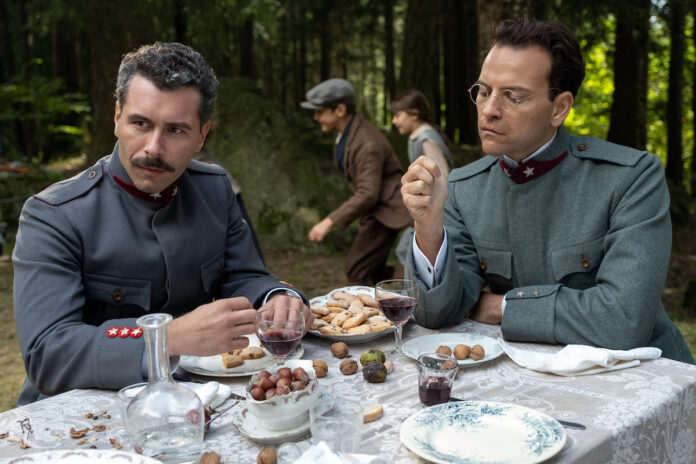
[328, 94]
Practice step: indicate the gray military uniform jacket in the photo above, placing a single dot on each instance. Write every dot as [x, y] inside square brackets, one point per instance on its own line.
[90, 256]
[580, 252]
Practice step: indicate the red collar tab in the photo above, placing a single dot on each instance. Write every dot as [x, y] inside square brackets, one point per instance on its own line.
[531, 169]
[161, 198]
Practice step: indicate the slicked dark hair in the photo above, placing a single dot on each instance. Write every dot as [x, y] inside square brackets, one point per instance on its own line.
[413, 102]
[567, 66]
[169, 66]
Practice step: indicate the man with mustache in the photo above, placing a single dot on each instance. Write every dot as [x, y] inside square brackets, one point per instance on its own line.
[144, 230]
[571, 234]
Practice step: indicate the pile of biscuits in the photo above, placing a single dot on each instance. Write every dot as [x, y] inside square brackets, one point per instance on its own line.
[348, 314]
[237, 357]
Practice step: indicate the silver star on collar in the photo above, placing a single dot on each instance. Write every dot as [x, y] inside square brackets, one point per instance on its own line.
[156, 195]
[520, 294]
[529, 171]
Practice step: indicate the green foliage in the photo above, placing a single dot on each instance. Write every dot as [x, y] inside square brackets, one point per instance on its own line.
[37, 119]
[283, 165]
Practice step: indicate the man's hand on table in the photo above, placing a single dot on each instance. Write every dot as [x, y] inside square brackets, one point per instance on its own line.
[281, 302]
[488, 309]
[424, 191]
[213, 328]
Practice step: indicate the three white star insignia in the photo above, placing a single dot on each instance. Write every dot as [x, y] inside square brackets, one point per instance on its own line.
[156, 195]
[529, 171]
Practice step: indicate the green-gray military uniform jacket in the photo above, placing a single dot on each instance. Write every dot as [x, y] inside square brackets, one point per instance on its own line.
[580, 252]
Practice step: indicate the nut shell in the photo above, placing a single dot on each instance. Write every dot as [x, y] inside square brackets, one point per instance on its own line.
[462, 351]
[442, 349]
[267, 456]
[340, 350]
[477, 352]
[320, 368]
[349, 367]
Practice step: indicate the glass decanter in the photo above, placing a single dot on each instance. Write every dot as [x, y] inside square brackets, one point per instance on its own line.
[165, 420]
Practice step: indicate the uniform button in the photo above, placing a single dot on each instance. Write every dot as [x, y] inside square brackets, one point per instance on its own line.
[582, 147]
[117, 295]
[585, 263]
[92, 174]
[483, 265]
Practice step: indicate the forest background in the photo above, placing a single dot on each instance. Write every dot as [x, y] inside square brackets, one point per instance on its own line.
[58, 62]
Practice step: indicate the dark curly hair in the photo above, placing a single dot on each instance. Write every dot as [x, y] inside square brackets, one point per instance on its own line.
[169, 66]
[567, 65]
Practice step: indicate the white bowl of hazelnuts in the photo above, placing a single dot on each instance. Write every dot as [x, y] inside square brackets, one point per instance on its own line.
[281, 397]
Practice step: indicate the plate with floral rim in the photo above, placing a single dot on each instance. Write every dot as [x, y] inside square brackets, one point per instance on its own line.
[481, 432]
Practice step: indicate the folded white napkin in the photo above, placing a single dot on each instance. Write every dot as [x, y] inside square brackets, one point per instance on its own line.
[322, 453]
[212, 394]
[579, 359]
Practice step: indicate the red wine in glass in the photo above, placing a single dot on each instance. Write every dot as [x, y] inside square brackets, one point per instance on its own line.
[398, 309]
[281, 342]
[434, 390]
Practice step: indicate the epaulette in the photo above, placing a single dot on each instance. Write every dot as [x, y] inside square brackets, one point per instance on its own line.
[206, 168]
[472, 169]
[75, 187]
[601, 150]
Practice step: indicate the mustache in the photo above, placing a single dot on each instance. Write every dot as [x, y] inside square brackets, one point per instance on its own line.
[150, 162]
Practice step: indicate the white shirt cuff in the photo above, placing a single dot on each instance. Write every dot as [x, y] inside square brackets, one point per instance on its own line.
[430, 275]
[281, 289]
[502, 306]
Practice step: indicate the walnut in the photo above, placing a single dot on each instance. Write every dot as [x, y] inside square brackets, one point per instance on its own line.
[442, 349]
[349, 366]
[267, 456]
[462, 351]
[320, 368]
[340, 350]
[449, 364]
[210, 457]
[477, 352]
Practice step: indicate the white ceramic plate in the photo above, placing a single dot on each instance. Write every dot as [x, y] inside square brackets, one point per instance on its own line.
[82, 457]
[429, 343]
[212, 365]
[348, 338]
[482, 432]
[253, 428]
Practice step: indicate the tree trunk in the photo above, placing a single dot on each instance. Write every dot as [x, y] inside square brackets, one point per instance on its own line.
[629, 106]
[675, 164]
[323, 14]
[114, 29]
[389, 74]
[180, 23]
[491, 12]
[246, 47]
[461, 69]
[420, 59]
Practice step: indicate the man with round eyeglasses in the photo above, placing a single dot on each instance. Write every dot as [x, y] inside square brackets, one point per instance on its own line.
[571, 235]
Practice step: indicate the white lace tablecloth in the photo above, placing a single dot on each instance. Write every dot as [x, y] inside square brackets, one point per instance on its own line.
[642, 414]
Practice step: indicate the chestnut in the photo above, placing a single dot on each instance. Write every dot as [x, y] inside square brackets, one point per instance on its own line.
[297, 385]
[270, 393]
[285, 372]
[284, 382]
[282, 391]
[262, 374]
[258, 393]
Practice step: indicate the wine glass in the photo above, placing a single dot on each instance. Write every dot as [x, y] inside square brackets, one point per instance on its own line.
[280, 330]
[397, 298]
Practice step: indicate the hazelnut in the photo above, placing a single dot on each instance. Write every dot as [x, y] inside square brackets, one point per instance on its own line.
[442, 349]
[349, 366]
[267, 456]
[462, 351]
[320, 368]
[477, 352]
[340, 350]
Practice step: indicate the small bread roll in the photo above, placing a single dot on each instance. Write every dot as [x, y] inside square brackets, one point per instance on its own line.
[361, 329]
[252, 352]
[231, 360]
[367, 300]
[372, 413]
[354, 321]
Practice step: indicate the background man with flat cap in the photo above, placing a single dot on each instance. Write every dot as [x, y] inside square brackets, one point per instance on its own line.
[571, 234]
[144, 230]
[372, 171]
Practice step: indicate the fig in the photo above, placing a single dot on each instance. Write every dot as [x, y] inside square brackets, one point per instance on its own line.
[375, 372]
[372, 355]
